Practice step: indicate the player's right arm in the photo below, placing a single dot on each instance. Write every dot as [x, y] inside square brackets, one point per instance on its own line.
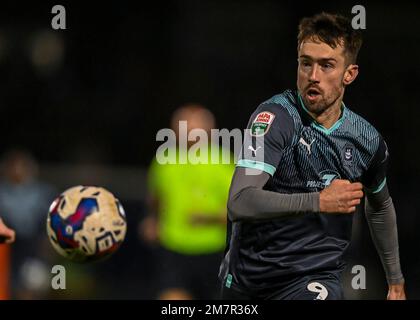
[271, 130]
[7, 235]
[249, 201]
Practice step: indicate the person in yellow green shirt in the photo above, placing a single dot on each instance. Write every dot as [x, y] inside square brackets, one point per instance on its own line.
[187, 215]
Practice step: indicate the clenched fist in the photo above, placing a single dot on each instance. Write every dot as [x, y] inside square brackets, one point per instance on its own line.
[341, 196]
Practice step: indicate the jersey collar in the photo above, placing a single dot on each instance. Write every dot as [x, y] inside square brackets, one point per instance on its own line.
[320, 127]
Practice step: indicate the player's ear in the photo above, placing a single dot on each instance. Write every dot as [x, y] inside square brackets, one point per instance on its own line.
[350, 74]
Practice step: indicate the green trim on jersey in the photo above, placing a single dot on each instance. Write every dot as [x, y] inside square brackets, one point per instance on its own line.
[257, 165]
[320, 127]
[380, 187]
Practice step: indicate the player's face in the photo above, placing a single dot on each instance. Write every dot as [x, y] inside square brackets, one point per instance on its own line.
[322, 75]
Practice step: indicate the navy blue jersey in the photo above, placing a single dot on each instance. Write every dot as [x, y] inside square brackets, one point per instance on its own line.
[301, 156]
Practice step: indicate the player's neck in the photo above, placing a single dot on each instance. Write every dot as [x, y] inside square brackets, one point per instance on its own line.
[330, 115]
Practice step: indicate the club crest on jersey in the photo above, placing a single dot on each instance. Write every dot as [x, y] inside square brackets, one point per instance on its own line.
[262, 123]
[348, 154]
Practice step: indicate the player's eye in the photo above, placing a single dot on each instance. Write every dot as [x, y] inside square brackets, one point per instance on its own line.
[305, 64]
[327, 66]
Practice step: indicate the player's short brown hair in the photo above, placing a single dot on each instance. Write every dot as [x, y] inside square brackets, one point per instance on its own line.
[332, 29]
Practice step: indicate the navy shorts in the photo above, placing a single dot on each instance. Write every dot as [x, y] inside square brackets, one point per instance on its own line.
[311, 287]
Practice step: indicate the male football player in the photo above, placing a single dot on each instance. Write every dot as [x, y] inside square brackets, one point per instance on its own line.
[306, 163]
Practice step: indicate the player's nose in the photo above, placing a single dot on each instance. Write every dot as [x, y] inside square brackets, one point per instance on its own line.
[313, 74]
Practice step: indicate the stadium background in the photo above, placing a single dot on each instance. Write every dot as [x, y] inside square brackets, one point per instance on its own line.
[87, 103]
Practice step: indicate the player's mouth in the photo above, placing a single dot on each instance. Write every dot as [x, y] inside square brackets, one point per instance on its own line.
[312, 94]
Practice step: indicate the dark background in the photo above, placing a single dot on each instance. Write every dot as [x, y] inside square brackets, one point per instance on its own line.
[124, 68]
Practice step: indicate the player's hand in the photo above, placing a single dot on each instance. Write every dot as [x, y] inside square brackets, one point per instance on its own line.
[341, 196]
[396, 292]
[7, 235]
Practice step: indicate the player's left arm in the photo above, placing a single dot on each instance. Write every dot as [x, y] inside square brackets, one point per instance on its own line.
[381, 218]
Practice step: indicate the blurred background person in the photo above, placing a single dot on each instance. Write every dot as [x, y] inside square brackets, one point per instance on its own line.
[187, 215]
[24, 203]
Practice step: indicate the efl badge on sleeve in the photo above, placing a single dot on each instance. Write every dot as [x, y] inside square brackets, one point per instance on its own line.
[262, 123]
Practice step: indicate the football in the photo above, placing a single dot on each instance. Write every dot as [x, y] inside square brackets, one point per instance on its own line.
[86, 223]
